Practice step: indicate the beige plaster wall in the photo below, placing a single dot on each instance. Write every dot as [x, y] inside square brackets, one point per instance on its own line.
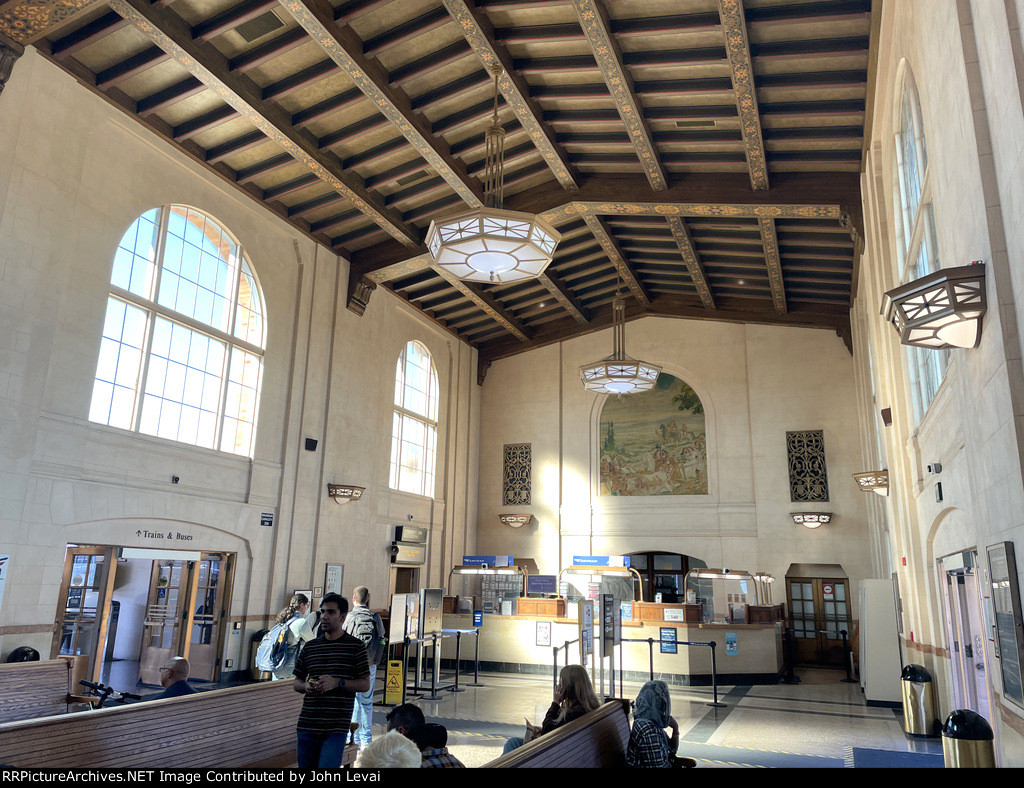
[74, 174]
[755, 382]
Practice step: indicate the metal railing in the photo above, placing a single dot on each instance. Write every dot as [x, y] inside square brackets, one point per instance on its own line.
[650, 645]
[435, 640]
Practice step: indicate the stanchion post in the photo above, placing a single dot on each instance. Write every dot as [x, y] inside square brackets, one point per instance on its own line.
[714, 676]
[554, 666]
[847, 658]
[406, 643]
[458, 659]
[476, 660]
[650, 648]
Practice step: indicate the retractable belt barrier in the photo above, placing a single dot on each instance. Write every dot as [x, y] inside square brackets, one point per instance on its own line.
[650, 645]
[435, 639]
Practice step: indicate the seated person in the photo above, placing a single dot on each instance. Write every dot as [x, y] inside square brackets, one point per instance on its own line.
[390, 751]
[405, 717]
[649, 747]
[573, 697]
[432, 740]
[174, 679]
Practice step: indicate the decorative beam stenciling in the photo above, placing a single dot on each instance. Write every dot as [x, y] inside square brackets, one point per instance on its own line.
[205, 63]
[596, 27]
[480, 34]
[734, 25]
[611, 249]
[28, 21]
[690, 211]
[685, 244]
[345, 48]
[771, 258]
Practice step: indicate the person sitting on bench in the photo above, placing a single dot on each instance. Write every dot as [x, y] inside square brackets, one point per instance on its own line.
[174, 679]
[649, 747]
[574, 696]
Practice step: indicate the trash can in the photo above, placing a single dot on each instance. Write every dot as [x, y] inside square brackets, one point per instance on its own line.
[254, 644]
[967, 741]
[919, 716]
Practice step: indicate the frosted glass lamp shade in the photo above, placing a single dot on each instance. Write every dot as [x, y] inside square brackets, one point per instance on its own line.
[619, 376]
[812, 519]
[492, 245]
[941, 310]
[873, 481]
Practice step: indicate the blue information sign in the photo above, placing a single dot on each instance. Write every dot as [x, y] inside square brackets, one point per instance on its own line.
[478, 618]
[488, 560]
[668, 640]
[600, 560]
[731, 644]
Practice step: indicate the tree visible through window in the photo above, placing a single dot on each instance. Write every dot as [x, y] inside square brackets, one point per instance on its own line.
[916, 245]
[181, 355]
[414, 426]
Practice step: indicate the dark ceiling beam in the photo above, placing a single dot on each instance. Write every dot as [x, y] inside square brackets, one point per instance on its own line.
[681, 236]
[205, 63]
[826, 316]
[487, 304]
[614, 253]
[597, 28]
[771, 259]
[345, 48]
[231, 18]
[479, 32]
[734, 26]
[554, 284]
[705, 56]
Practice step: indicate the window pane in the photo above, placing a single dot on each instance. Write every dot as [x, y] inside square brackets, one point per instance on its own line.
[119, 365]
[244, 377]
[668, 562]
[135, 258]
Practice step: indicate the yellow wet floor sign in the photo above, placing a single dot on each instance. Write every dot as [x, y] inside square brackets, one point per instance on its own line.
[394, 686]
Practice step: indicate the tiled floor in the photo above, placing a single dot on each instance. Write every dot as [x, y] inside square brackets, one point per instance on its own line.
[820, 722]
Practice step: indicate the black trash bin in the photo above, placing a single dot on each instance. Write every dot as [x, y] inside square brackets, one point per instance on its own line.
[23, 654]
[920, 718]
[254, 644]
[967, 741]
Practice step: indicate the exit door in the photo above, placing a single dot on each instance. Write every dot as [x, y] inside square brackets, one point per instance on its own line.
[185, 614]
[83, 608]
[819, 610]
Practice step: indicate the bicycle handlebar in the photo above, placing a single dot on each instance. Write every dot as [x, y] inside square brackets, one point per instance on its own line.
[109, 692]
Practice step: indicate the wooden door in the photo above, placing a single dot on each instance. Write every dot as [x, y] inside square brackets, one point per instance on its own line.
[819, 609]
[169, 586]
[83, 608]
[209, 605]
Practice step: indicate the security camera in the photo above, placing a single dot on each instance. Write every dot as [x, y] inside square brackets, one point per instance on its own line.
[175, 480]
[393, 550]
[935, 467]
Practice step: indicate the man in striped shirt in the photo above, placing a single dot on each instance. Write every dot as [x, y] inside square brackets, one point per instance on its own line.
[329, 671]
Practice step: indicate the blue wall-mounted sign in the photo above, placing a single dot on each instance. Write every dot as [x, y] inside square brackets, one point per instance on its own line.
[488, 560]
[600, 560]
[667, 636]
[478, 618]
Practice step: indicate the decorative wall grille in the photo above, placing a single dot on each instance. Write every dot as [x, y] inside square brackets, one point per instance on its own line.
[808, 480]
[518, 474]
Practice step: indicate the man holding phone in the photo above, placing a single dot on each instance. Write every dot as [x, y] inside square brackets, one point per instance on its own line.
[330, 671]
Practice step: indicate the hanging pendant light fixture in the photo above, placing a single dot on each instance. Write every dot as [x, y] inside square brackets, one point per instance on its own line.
[619, 373]
[491, 244]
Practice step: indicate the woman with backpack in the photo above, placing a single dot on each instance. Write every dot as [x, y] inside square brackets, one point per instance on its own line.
[300, 631]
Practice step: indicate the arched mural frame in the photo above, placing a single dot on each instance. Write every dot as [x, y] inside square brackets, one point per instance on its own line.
[609, 503]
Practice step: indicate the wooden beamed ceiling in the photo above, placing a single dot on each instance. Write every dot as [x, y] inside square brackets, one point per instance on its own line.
[701, 155]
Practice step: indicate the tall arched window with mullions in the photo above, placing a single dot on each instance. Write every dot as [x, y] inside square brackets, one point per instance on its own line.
[917, 250]
[414, 423]
[181, 355]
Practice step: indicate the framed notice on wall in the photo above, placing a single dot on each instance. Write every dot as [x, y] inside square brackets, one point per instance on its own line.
[1002, 567]
[332, 578]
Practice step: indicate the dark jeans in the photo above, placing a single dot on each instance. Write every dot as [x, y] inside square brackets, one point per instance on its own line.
[316, 750]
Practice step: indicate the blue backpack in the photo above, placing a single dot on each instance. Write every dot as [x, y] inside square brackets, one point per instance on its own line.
[278, 647]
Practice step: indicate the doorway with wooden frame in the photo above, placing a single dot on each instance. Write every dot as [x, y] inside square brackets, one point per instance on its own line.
[818, 597]
[181, 611]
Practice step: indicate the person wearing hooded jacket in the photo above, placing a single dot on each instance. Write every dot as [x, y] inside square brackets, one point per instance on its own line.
[649, 747]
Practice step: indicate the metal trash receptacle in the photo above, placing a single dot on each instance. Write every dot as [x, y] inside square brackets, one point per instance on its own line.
[919, 715]
[254, 644]
[967, 741]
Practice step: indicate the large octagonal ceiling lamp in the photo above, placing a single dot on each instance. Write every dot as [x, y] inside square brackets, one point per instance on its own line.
[619, 373]
[940, 310]
[491, 244]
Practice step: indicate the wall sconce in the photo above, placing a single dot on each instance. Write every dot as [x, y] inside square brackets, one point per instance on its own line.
[343, 493]
[940, 310]
[812, 519]
[515, 520]
[873, 481]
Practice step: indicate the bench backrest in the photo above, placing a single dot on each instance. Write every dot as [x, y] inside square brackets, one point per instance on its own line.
[598, 739]
[251, 726]
[34, 689]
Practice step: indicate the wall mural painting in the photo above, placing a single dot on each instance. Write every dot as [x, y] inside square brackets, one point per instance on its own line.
[654, 443]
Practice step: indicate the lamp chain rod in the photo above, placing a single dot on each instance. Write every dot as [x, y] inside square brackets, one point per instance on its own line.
[494, 180]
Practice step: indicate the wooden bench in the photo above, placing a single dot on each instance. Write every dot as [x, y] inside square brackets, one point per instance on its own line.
[29, 690]
[594, 741]
[250, 726]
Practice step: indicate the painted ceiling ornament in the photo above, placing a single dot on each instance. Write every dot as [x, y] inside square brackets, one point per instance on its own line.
[618, 373]
[492, 244]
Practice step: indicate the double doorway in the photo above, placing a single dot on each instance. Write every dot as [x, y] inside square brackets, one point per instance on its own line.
[126, 611]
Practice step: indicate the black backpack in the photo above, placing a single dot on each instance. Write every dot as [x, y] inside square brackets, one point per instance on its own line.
[368, 627]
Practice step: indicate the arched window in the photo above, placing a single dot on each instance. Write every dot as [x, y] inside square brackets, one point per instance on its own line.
[414, 427]
[182, 350]
[917, 250]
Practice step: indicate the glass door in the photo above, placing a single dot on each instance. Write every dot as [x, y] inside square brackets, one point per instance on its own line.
[169, 587]
[209, 609]
[819, 610]
[83, 608]
[967, 648]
